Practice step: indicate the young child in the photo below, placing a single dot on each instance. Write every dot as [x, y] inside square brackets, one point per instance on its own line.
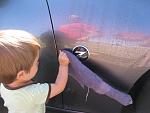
[19, 54]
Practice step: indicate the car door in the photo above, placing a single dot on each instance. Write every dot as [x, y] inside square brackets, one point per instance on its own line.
[115, 32]
[33, 16]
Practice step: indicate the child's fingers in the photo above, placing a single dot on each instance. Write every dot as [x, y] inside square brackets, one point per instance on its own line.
[59, 51]
[63, 55]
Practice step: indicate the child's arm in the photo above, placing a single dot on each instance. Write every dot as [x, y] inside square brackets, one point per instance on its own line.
[62, 76]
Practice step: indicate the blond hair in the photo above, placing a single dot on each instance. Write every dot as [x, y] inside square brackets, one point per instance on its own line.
[18, 50]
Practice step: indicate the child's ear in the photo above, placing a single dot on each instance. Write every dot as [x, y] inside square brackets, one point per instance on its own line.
[20, 74]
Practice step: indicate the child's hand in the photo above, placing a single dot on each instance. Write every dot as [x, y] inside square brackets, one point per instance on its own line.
[63, 59]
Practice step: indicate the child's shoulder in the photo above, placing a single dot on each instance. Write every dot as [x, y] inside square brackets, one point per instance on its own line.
[28, 87]
[35, 86]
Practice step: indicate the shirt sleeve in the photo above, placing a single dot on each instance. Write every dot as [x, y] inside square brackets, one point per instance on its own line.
[0, 89]
[41, 93]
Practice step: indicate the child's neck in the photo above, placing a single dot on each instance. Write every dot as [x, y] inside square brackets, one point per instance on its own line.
[16, 84]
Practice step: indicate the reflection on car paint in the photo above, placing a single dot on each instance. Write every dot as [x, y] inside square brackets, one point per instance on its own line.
[79, 30]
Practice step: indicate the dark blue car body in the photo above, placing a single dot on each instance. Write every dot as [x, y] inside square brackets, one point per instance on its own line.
[116, 34]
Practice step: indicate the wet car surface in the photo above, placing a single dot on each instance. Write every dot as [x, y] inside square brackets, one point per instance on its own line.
[116, 34]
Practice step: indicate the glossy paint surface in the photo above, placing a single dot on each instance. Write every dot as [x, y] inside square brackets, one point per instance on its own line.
[117, 34]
